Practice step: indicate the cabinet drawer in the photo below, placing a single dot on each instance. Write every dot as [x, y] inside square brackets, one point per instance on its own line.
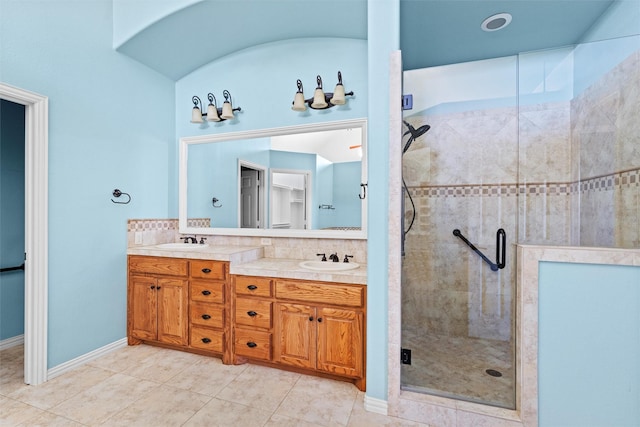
[158, 265]
[212, 292]
[343, 295]
[253, 312]
[208, 269]
[206, 339]
[254, 344]
[256, 286]
[210, 315]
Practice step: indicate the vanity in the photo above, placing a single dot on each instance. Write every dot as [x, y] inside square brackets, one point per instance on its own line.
[243, 295]
[230, 302]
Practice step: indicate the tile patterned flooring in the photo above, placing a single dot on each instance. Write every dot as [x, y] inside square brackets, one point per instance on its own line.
[149, 386]
[456, 367]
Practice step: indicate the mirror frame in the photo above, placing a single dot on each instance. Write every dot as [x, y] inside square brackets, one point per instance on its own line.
[185, 142]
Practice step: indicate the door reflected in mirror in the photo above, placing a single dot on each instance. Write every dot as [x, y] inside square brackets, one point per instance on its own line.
[293, 181]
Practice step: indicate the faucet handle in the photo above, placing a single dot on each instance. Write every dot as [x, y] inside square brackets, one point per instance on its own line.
[202, 239]
[346, 258]
[324, 257]
[186, 239]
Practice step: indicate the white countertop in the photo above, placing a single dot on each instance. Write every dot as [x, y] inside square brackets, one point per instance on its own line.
[250, 261]
[231, 253]
[289, 269]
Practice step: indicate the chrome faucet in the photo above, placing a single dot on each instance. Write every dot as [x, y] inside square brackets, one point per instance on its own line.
[334, 257]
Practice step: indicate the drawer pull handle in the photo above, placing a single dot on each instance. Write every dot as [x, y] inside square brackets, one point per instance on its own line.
[206, 340]
[251, 344]
[252, 313]
[206, 292]
[252, 287]
[206, 317]
[206, 270]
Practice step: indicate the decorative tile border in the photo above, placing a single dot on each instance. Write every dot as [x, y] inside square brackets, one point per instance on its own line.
[164, 224]
[624, 179]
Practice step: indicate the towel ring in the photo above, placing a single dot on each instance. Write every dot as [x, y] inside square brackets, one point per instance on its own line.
[117, 193]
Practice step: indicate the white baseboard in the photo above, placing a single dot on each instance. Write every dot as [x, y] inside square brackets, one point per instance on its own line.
[378, 406]
[12, 342]
[85, 358]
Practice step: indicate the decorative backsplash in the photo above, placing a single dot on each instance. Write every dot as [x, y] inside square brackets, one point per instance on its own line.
[156, 231]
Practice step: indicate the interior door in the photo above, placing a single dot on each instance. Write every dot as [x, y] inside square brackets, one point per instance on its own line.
[249, 198]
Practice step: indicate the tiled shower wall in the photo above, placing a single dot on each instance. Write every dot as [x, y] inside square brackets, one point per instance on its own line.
[156, 231]
[563, 173]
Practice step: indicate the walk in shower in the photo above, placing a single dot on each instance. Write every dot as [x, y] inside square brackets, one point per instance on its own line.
[539, 148]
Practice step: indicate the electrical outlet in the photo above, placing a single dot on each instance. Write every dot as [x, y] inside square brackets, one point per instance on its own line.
[405, 356]
[265, 241]
[138, 238]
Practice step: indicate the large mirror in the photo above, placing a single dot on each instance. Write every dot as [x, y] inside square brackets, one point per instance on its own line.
[296, 181]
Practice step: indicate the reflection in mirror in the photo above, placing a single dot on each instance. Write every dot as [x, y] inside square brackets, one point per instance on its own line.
[298, 181]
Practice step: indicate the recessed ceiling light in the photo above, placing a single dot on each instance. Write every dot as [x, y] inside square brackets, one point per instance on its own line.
[496, 22]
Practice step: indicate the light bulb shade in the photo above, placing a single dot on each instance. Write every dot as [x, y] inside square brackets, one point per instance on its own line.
[212, 113]
[196, 115]
[298, 102]
[319, 100]
[227, 111]
[338, 95]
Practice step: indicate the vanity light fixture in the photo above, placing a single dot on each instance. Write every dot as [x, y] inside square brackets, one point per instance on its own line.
[213, 114]
[320, 100]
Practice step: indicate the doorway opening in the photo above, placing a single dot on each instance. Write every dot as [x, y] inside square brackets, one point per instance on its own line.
[290, 199]
[36, 230]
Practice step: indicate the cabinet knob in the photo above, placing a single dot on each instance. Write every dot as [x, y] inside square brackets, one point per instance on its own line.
[206, 292]
[206, 317]
[320, 319]
[153, 287]
[158, 287]
[206, 340]
[310, 318]
[251, 344]
[252, 313]
[206, 270]
[252, 287]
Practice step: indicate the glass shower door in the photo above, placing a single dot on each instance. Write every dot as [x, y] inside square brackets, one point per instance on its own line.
[461, 213]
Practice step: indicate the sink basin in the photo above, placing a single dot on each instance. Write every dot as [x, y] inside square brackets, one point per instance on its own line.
[328, 265]
[182, 246]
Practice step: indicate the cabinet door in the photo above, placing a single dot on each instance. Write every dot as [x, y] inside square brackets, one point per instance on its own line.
[340, 341]
[143, 308]
[172, 311]
[295, 340]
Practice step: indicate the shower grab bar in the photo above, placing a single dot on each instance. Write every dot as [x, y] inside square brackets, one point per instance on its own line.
[501, 238]
[19, 267]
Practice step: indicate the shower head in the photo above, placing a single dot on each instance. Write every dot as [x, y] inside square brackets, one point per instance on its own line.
[415, 134]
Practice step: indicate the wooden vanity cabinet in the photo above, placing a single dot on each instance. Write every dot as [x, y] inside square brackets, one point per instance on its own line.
[313, 326]
[158, 300]
[179, 302]
[208, 323]
[253, 314]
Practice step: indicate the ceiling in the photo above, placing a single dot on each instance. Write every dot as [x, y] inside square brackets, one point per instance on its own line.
[432, 32]
[440, 32]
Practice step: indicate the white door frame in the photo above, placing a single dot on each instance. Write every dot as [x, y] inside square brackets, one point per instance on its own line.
[36, 230]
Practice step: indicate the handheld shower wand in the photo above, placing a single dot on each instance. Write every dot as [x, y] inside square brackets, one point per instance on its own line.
[414, 134]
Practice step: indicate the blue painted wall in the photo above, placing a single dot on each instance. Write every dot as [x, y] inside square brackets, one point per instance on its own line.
[110, 126]
[12, 142]
[589, 345]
